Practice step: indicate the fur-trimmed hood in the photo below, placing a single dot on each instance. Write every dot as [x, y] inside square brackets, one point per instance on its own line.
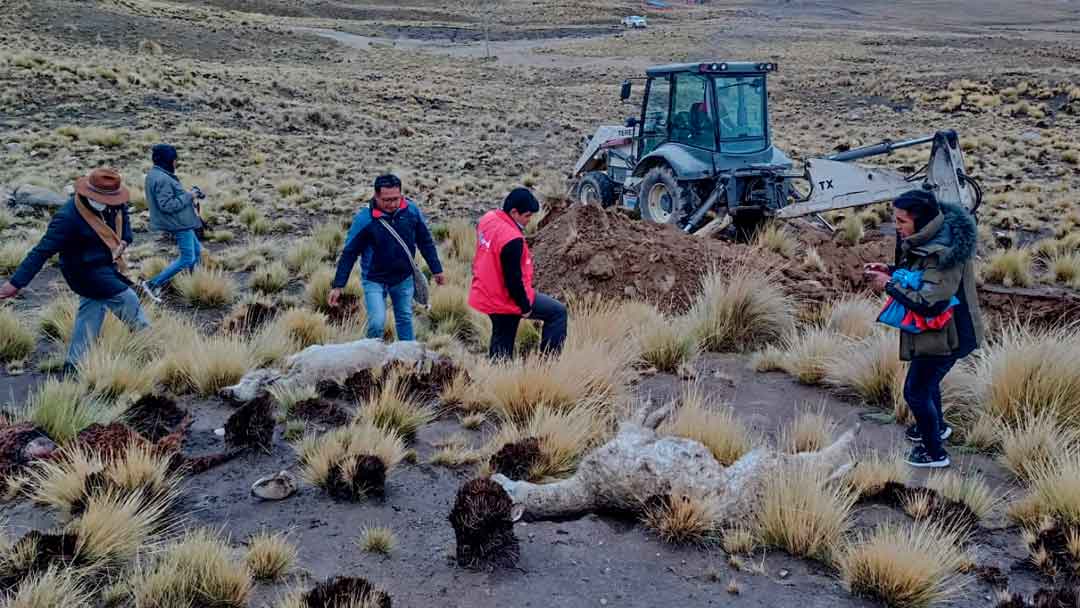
[952, 236]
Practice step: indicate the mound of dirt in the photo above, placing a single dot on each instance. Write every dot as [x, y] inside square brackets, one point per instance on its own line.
[585, 250]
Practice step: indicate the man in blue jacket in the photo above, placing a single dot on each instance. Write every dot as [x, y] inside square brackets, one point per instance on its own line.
[90, 233]
[386, 268]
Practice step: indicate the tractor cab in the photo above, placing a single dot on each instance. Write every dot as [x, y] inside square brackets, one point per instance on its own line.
[709, 109]
[702, 134]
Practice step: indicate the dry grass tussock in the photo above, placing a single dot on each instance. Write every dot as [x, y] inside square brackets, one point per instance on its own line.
[968, 488]
[1053, 491]
[305, 327]
[683, 519]
[17, 340]
[810, 431]
[741, 311]
[206, 287]
[49, 589]
[116, 525]
[667, 345]
[319, 454]
[908, 567]
[269, 556]
[869, 369]
[1011, 267]
[196, 570]
[62, 483]
[378, 539]
[111, 374]
[804, 514]
[777, 238]
[461, 239]
[1027, 372]
[318, 286]
[62, 410]
[580, 374]
[853, 317]
[717, 428]
[451, 314]
[269, 279]
[396, 408]
[455, 451]
[565, 436]
[806, 356]
[288, 395]
[1035, 443]
[873, 471]
[611, 324]
[204, 364]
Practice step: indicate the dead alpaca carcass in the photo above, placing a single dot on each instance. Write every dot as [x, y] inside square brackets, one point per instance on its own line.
[317, 365]
[638, 463]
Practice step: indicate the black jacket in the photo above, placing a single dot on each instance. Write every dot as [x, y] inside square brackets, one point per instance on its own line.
[85, 261]
[382, 258]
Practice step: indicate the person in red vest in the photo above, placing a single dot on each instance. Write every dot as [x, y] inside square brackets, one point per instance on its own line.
[502, 279]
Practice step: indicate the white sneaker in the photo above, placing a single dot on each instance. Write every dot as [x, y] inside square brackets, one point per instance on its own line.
[150, 292]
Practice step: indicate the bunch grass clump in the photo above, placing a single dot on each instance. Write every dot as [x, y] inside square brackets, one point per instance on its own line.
[805, 514]
[868, 370]
[873, 471]
[61, 409]
[908, 567]
[716, 427]
[1029, 372]
[740, 312]
[54, 587]
[378, 539]
[667, 345]
[1010, 267]
[270, 279]
[969, 489]
[17, 340]
[197, 569]
[211, 288]
[810, 431]
[269, 556]
[321, 454]
[396, 408]
[1034, 443]
[683, 519]
[1053, 491]
[588, 373]
[564, 437]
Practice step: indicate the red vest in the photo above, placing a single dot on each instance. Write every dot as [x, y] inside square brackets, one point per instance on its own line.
[489, 294]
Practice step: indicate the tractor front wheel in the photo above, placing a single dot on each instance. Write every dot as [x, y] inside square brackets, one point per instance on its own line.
[596, 188]
[662, 199]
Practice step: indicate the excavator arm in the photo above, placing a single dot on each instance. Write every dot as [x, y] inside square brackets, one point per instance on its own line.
[837, 183]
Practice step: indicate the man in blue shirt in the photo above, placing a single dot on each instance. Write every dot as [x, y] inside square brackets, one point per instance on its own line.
[386, 268]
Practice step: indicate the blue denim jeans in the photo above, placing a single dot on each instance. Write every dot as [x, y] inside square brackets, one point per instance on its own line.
[375, 303]
[190, 252]
[91, 314]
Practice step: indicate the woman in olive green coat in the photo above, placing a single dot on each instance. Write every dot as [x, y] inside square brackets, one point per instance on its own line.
[938, 240]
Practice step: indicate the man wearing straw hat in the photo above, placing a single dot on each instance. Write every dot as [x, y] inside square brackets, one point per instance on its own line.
[90, 233]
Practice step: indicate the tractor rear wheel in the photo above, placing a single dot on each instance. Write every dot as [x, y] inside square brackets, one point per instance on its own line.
[662, 199]
[596, 188]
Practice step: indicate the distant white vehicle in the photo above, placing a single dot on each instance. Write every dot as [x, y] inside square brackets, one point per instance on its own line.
[634, 21]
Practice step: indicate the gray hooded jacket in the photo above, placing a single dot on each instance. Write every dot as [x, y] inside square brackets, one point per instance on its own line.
[171, 208]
